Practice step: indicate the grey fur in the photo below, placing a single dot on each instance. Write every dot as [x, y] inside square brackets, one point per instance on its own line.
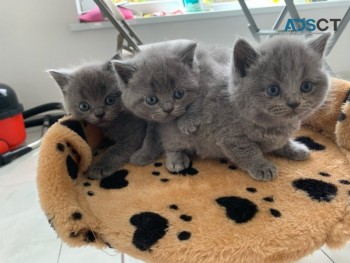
[160, 69]
[157, 71]
[244, 122]
[94, 84]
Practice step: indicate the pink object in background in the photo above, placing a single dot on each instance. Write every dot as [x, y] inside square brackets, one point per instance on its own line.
[127, 13]
[160, 13]
[94, 15]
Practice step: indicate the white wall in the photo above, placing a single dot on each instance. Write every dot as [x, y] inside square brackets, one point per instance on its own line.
[35, 36]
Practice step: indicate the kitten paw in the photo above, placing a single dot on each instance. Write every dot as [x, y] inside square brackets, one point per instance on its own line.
[142, 158]
[294, 151]
[99, 171]
[300, 152]
[264, 172]
[177, 162]
[189, 124]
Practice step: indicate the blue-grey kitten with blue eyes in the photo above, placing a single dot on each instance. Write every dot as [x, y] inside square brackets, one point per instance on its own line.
[272, 89]
[90, 93]
[166, 83]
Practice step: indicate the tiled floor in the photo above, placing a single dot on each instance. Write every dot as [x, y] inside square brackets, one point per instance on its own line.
[26, 237]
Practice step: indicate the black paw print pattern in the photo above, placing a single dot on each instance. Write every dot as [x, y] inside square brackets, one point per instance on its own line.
[242, 210]
[158, 173]
[86, 235]
[190, 171]
[319, 190]
[151, 227]
[310, 143]
[182, 235]
[115, 181]
[230, 166]
[87, 185]
[72, 159]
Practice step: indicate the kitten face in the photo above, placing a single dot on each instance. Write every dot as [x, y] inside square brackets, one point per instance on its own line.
[90, 93]
[161, 87]
[283, 80]
[162, 93]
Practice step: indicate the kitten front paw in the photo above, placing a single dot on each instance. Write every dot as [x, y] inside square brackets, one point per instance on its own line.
[142, 158]
[177, 162]
[99, 171]
[294, 151]
[189, 124]
[299, 152]
[264, 172]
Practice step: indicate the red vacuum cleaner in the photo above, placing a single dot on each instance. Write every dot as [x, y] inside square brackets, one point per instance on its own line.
[13, 124]
[12, 129]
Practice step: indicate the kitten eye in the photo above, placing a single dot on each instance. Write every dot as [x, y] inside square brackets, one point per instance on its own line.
[84, 106]
[273, 90]
[151, 100]
[110, 100]
[178, 94]
[306, 87]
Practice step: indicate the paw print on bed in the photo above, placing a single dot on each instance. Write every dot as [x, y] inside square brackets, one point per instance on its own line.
[190, 171]
[152, 227]
[242, 210]
[78, 232]
[319, 190]
[72, 158]
[87, 235]
[117, 180]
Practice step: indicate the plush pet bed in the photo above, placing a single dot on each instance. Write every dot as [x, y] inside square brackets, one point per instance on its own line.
[210, 212]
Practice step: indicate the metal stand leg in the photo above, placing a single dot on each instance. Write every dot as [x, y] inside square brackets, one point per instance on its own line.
[291, 9]
[126, 33]
[252, 25]
[339, 31]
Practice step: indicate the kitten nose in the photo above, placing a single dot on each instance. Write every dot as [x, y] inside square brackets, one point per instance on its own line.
[293, 105]
[168, 107]
[99, 113]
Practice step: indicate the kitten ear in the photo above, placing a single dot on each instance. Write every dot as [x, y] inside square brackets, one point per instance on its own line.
[63, 78]
[108, 66]
[187, 54]
[319, 44]
[244, 55]
[124, 70]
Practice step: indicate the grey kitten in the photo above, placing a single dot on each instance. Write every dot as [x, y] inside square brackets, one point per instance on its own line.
[159, 83]
[91, 94]
[273, 87]
[166, 82]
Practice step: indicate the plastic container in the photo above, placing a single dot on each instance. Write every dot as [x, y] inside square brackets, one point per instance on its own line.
[192, 5]
[12, 129]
